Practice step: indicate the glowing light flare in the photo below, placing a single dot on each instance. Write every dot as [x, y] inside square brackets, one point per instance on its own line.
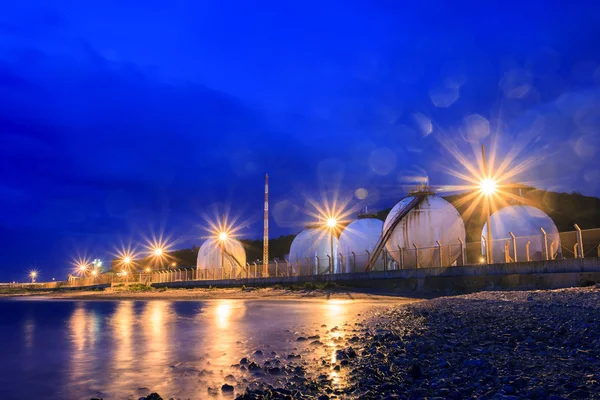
[332, 214]
[126, 257]
[94, 272]
[222, 227]
[81, 265]
[158, 248]
[488, 186]
[486, 183]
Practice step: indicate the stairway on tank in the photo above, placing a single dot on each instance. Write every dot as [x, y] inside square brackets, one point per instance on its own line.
[418, 198]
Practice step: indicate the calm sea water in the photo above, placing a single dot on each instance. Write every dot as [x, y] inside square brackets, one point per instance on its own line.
[63, 349]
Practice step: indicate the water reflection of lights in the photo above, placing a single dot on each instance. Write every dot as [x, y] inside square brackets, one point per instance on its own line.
[222, 320]
[78, 336]
[122, 324]
[29, 328]
[223, 314]
[335, 313]
[154, 322]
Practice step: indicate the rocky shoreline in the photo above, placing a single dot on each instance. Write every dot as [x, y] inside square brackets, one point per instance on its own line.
[488, 345]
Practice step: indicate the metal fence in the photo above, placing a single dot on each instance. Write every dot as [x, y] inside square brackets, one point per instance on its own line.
[545, 246]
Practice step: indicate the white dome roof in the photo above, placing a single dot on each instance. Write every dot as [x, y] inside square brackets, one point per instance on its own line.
[433, 220]
[209, 254]
[525, 223]
[359, 237]
[314, 244]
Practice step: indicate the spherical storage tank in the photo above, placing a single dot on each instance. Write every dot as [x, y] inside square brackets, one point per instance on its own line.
[434, 219]
[525, 223]
[360, 237]
[313, 244]
[209, 254]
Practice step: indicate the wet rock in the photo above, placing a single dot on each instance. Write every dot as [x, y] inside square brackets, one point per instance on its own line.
[254, 367]
[258, 353]
[316, 343]
[227, 388]
[152, 396]
[579, 394]
[212, 391]
[293, 356]
[415, 371]
[230, 378]
[313, 337]
[244, 361]
[274, 371]
[301, 339]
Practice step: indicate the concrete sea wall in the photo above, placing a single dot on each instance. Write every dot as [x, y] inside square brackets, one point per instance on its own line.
[450, 280]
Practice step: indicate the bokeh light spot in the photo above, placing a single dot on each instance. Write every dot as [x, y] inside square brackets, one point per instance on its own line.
[443, 96]
[476, 128]
[382, 161]
[361, 193]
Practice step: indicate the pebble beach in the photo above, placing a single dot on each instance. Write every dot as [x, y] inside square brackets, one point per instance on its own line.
[489, 345]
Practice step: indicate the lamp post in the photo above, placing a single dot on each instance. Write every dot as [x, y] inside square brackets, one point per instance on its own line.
[33, 275]
[332, 224]
[488, 187]
[222, 238]
[158, 253]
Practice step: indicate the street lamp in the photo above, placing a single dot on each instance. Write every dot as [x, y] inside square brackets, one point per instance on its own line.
[33, 275]
[158, 252]
[488, 187]
[94, 272]
[223, 236]
[331, 224]
[83, 268]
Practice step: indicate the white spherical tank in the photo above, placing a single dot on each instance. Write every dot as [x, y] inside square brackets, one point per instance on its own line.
[309, 251]
[433, 220]
[210, 254]
[525, 223]
[360, 238]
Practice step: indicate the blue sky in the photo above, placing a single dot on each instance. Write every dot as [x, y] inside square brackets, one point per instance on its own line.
[123, 119]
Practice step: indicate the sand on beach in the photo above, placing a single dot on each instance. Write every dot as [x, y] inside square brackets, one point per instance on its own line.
[216, 294]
